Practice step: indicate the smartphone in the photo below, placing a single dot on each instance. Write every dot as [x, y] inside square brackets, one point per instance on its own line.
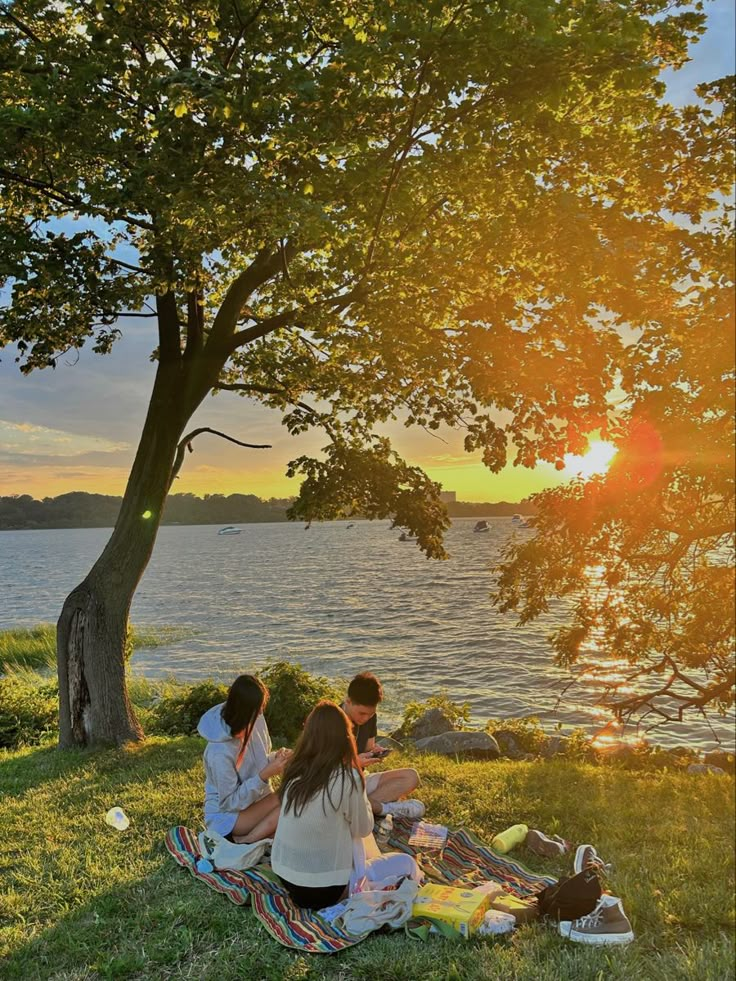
[380, 752]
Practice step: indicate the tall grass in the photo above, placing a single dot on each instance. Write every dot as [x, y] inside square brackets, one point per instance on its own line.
[35, 647]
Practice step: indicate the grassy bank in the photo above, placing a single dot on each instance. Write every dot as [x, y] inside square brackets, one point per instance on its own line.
[80, 900]
[35, 647]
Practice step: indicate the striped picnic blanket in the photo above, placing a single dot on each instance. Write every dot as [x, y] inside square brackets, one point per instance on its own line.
[463, 861]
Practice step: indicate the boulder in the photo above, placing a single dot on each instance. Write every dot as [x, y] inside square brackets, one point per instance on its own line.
[721, 759]
[706, 768]
[388, 743]
[675, 757]
[555, 746]
[477, 745]
[433, 722]
[618, 751]
[508, 744]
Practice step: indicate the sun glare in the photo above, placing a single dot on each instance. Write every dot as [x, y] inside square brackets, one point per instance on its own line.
[596, 461]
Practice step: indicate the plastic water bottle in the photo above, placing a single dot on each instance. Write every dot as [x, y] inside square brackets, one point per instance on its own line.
[117, 818]
[385, 828]
[506, 840]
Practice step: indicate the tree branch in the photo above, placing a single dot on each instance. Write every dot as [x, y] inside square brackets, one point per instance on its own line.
[409, 141]
[265, 390]
[244, 25]
[242, 387]
[169, 338]
[396, 167]
[128, 265]
[72, 200]
[265, 265]
[23, 28]
[159, 40]
[287, 317]
[186, 444]
[195, 324]
[706, 694]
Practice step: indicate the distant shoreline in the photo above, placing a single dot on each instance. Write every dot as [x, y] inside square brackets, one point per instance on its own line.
[79, 509]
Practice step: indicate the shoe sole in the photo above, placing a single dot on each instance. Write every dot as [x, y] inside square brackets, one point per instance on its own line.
[599, 940]
[547, 849]
[410, 817]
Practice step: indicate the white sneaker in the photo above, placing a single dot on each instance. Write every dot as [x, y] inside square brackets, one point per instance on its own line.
[607, 924]
[405, 808]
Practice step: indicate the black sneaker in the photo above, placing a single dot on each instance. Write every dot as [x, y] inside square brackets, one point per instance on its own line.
[586, 857]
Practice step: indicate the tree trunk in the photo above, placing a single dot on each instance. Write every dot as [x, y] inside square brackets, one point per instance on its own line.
[91, 632]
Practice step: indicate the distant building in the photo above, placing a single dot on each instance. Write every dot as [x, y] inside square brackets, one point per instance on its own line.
[448, 497]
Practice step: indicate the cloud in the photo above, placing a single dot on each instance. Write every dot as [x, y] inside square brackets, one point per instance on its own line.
[25, 427]
[52, 480]
[27, 440]
[447, 460]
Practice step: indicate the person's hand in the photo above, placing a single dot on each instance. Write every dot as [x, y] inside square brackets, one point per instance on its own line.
[365, 759]
[276, 765]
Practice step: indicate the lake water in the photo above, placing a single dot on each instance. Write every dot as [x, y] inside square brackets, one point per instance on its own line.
[337, 599]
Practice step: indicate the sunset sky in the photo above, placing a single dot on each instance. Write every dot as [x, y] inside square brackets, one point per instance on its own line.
[76, 428]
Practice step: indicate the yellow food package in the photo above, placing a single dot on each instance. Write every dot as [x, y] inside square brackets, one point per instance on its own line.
[463, 909]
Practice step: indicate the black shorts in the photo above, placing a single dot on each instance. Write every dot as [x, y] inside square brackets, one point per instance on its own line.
[310, 898]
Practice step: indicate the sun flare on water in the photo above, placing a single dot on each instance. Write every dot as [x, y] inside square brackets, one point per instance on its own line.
[595, 461]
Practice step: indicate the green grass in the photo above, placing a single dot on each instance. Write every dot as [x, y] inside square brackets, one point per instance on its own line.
[35, 647]
[80, 900]
[29, 648]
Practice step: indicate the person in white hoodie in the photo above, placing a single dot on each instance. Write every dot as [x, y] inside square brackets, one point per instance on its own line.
[238, 764]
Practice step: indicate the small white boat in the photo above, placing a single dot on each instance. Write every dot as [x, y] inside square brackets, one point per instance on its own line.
[517, 519]
[481, 526]
[403, 537]
[229, 530]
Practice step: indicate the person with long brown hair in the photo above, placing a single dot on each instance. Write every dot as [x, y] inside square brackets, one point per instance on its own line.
[323, 808]
[238, 763]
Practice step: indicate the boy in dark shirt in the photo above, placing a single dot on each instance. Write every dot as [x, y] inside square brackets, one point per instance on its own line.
[385, 788]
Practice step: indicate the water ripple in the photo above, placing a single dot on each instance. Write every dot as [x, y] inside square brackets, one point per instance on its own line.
[337, 601]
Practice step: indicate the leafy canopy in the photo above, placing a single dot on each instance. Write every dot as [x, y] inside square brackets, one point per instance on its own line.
[467, 214]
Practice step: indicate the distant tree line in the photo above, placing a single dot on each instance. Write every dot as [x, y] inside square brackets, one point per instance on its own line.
[81, 510]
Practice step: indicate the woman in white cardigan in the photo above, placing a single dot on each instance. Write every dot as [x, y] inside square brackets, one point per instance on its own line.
[323, 808]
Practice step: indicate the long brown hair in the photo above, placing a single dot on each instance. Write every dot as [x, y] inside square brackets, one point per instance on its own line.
[247, 698]
[325, 747]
